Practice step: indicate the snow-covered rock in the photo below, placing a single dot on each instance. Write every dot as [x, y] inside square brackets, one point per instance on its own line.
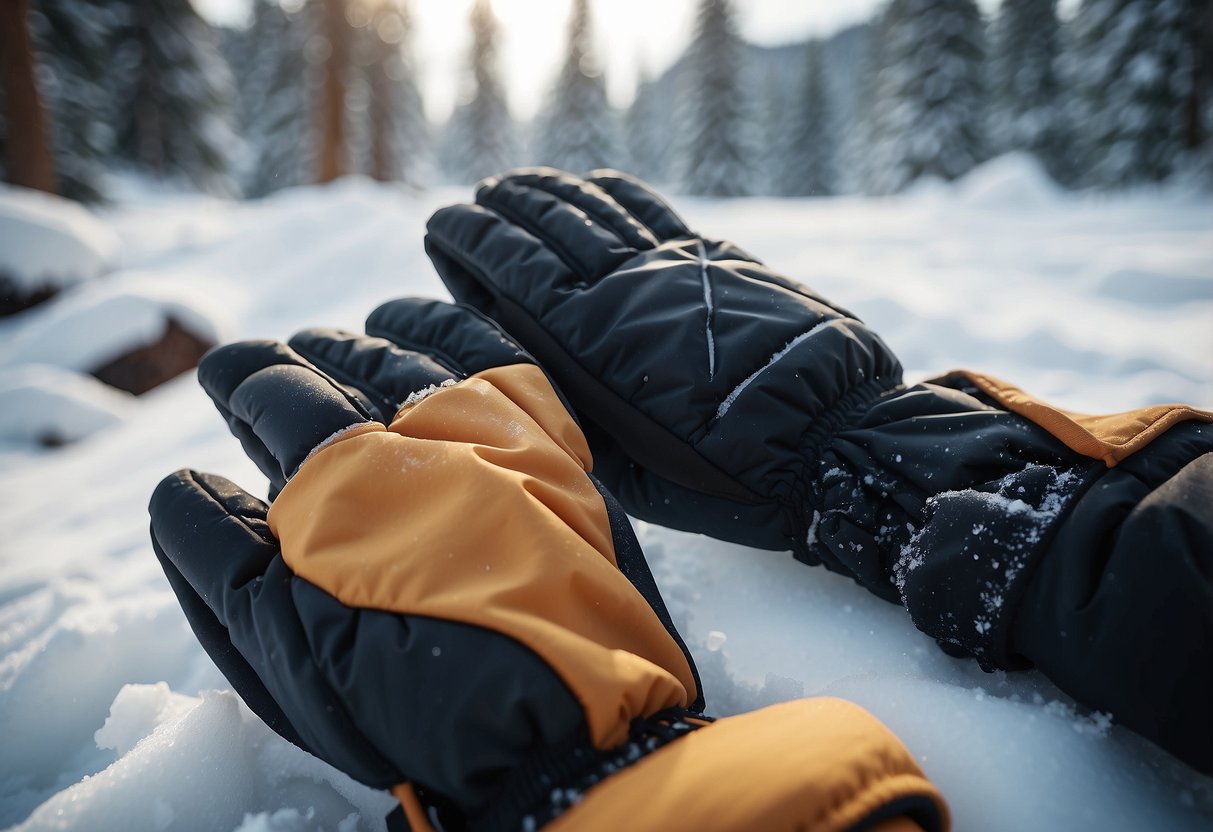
[1013, 182]
[42, 404]
[50, 242]
[95, 324]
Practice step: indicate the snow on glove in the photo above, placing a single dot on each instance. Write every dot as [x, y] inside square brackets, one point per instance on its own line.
[721, 397]
[440, 601]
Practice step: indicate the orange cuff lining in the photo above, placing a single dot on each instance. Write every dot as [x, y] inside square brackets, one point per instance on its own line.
[1111, 438]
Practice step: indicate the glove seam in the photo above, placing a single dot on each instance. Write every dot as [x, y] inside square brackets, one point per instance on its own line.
[580, 273]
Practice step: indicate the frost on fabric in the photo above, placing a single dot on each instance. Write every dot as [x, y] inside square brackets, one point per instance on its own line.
[426, 392]
[987, 537]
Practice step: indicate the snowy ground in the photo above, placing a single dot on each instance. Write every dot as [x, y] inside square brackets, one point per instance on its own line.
[111, 716]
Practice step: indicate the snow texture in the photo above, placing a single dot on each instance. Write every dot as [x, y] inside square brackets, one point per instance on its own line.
[106, 721]
[47, 241]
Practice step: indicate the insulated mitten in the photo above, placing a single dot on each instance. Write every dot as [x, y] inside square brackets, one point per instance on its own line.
[721, 397]
[440, 601]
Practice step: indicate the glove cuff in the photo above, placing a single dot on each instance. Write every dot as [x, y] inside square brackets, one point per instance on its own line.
[817, 764]
[963, 574]
[550, 784]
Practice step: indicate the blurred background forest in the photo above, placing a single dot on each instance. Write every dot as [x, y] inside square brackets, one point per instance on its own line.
[1110, 94]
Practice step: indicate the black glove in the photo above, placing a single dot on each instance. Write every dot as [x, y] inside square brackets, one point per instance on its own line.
[441, 601]
[720, 397]
[706, 377]
[715, 392]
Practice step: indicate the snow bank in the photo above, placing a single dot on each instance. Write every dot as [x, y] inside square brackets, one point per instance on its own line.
[92, 325]
[87, 621]
[204, 763]
[1013, 182]
[49, 241]
[52, 406]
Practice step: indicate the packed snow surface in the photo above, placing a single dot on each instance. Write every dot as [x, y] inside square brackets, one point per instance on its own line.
[47, 241]
[112, 717]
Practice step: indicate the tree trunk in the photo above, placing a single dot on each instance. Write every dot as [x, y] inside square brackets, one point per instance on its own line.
[30, 159]
[332, 106]
[381, 139]
[1202, 76]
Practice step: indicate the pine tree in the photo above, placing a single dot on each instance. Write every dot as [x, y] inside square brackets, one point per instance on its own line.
[717, 154]
[480, 135]
[74, 40]
[1025, 110]
[393, 131]
[773, 116]
[859, 146]
[177, 95]
[929, 102]
[577, 132]
[1132, 72]
[646, 131]
[809, 168]
[277, 92]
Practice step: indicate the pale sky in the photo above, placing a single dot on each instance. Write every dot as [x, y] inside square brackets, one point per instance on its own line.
[533, 34]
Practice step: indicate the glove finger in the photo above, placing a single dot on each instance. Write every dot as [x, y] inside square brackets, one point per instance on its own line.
[596, 203]
[277, 403]
[590, 248]
[187, 508]
[215, 534]
[643, 203]
[482, 257]
[252, 615]
[383, 372]
[457, 337]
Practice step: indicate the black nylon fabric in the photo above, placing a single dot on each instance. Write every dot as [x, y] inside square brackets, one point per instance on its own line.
[1119, 612]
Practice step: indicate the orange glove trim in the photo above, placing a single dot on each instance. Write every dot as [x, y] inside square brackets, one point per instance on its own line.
[474, 506]
[822, 764]
[1111, 438]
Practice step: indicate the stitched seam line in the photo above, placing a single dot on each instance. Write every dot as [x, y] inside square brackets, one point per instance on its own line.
[774, 359]
[584, 203]
[710, 311]
[580, 273]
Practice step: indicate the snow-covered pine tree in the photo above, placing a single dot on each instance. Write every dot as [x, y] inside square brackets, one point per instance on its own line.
[646, 133]
[929, 100]
[810, 163]
[480, 135]
[394, 132]
[860, 141]
[773, 114]
[177, 93]
[716, 156]
[278, 87]
[1132, 71]
[73, 39]
[1024, 95]
[578, 130]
